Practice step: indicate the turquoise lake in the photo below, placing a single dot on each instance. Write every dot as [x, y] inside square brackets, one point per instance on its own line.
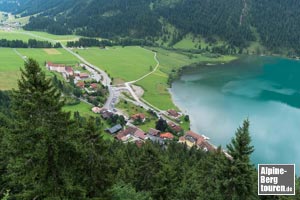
[266, 90]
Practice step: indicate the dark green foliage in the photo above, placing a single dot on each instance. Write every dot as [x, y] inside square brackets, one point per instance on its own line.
[39, 146]
[122, 191]
[161, 124]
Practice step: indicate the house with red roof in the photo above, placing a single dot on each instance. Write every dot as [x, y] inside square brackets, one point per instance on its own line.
[139, 116]
[168, 136]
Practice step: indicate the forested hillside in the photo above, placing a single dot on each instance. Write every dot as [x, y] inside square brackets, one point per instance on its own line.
[274, 24]
[46, 154]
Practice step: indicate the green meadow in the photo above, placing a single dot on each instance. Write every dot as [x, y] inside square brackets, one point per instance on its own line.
[127, 64]
[60, 56]
[84, 109]
[10, 64]
[9, 35]
[51, 36]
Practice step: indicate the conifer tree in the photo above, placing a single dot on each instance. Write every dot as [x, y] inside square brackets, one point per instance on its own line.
[240, 171]
[40, 150]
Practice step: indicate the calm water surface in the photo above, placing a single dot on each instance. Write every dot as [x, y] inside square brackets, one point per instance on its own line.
[264, 89]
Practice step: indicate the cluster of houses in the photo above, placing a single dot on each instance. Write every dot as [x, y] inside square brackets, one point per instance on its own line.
[132, 133]
[67, 71]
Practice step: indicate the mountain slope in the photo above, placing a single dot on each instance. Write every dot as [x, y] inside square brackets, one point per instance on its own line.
[276, 22]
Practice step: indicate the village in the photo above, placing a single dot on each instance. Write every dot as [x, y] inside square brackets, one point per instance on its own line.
[167, 124]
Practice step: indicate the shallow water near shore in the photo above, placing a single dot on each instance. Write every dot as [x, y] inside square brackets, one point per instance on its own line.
[264, 89]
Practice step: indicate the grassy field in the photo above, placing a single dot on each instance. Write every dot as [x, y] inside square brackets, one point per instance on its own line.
[25, 35]
[128, 63]
[51, 36]
[10, 64]
[42, 55]
[84, 109]
[9, 35]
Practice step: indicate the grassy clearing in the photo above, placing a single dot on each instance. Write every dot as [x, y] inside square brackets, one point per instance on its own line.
[128, 63]
[21, 20]
[156, 90]
[175, 59]
[10, 64]
[193, 42]
[51, 36]
[84, 109]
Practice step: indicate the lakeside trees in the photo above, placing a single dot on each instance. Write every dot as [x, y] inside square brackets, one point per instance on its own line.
[46, 155]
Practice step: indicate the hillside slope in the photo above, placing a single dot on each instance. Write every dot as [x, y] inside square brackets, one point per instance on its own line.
[237, 22]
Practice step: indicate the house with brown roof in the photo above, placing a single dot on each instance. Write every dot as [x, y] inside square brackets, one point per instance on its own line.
[153, 132]
[83, 76]
[125, 134]
[131, 132]
[140, 134]
[139, 116]
[168, 136]
[174, 127]
[173, 113]
[106, 114]
[80, 84]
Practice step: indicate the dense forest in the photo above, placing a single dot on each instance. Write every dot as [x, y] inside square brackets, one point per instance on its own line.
[32, 43]
[46, 153]
[274, 24]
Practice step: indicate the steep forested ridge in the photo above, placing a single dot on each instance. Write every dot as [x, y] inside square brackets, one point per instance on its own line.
[274, 24]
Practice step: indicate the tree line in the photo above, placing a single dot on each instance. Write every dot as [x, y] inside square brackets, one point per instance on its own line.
[45, 153]
[31, 43]
[92, 42]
